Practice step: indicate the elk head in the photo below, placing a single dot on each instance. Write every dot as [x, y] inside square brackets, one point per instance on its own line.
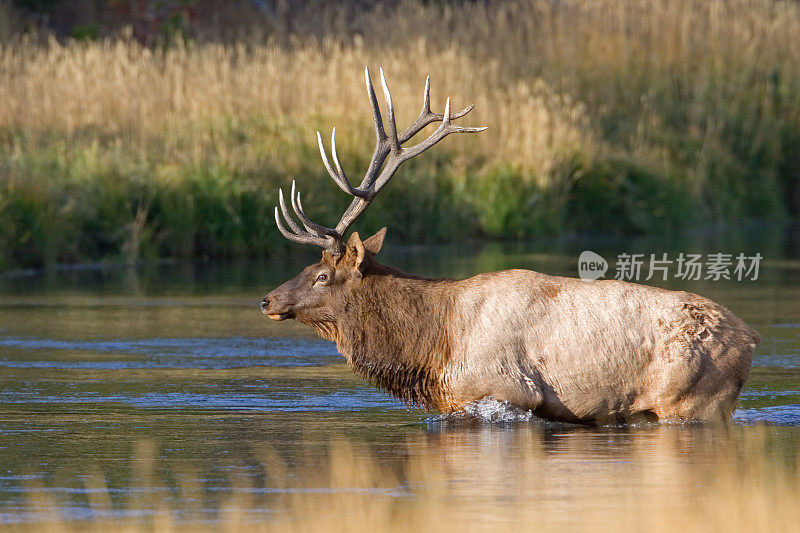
[314, 295]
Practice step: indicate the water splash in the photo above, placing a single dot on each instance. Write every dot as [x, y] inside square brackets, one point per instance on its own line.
[487, 409]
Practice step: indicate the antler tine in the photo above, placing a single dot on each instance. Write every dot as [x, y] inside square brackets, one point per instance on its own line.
[325, 161]
[336, 163]
[394, 143]
[426, 116]
[298, 211]
[296, 234]
[424, 120]
[376, 112]
[462, 112]
[350, 189]
[289, 220]
[465, 129]
[381, 148]
[338, 176]
[302, 239]
[426, 97]
[310, 225]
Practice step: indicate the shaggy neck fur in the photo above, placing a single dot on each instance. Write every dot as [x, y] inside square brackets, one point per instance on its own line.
[391, 331]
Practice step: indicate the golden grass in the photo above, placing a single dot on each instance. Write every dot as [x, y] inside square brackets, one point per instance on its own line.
[629, 116]
[185, 93]
[531, 68]
[649, 481]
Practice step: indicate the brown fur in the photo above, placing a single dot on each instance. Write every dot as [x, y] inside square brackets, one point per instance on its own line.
[570, 350]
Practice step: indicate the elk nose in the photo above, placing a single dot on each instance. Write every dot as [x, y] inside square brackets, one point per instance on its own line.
[264, 304]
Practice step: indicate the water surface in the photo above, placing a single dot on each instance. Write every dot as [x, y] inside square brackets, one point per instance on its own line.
[103, 368]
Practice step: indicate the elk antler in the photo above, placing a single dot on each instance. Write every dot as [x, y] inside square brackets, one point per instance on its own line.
[388, 155]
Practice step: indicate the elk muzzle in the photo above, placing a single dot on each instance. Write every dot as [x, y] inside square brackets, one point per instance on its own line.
[274, 309]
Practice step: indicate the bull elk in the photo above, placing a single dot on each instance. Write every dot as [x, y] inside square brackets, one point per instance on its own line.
[587, 352]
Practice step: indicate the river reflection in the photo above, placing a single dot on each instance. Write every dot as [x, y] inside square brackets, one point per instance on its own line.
[446, 477]
[162, 394]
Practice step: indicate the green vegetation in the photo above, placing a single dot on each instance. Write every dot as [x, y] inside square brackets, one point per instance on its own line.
[634, 116]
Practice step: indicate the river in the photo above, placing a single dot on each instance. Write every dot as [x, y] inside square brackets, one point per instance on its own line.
[162, 389]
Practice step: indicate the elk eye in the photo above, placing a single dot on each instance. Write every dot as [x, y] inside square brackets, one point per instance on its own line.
[322, 277]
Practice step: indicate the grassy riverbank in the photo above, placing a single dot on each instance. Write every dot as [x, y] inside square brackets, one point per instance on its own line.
[632, 117]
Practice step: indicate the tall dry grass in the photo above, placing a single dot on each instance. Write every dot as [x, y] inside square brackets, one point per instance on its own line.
[183, 95]
[631, 116]
[649, 482]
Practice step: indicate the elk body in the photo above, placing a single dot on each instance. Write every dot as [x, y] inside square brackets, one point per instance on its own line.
[570, 350]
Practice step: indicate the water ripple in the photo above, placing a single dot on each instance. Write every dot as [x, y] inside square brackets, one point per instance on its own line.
[233, 352]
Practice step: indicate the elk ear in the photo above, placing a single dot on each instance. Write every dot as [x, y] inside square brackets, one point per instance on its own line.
[374, 244]
[354, 254]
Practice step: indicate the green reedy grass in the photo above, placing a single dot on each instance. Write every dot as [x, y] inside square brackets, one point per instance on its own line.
[633, 116]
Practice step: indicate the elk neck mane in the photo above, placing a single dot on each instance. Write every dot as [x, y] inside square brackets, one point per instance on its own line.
[393, 332]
